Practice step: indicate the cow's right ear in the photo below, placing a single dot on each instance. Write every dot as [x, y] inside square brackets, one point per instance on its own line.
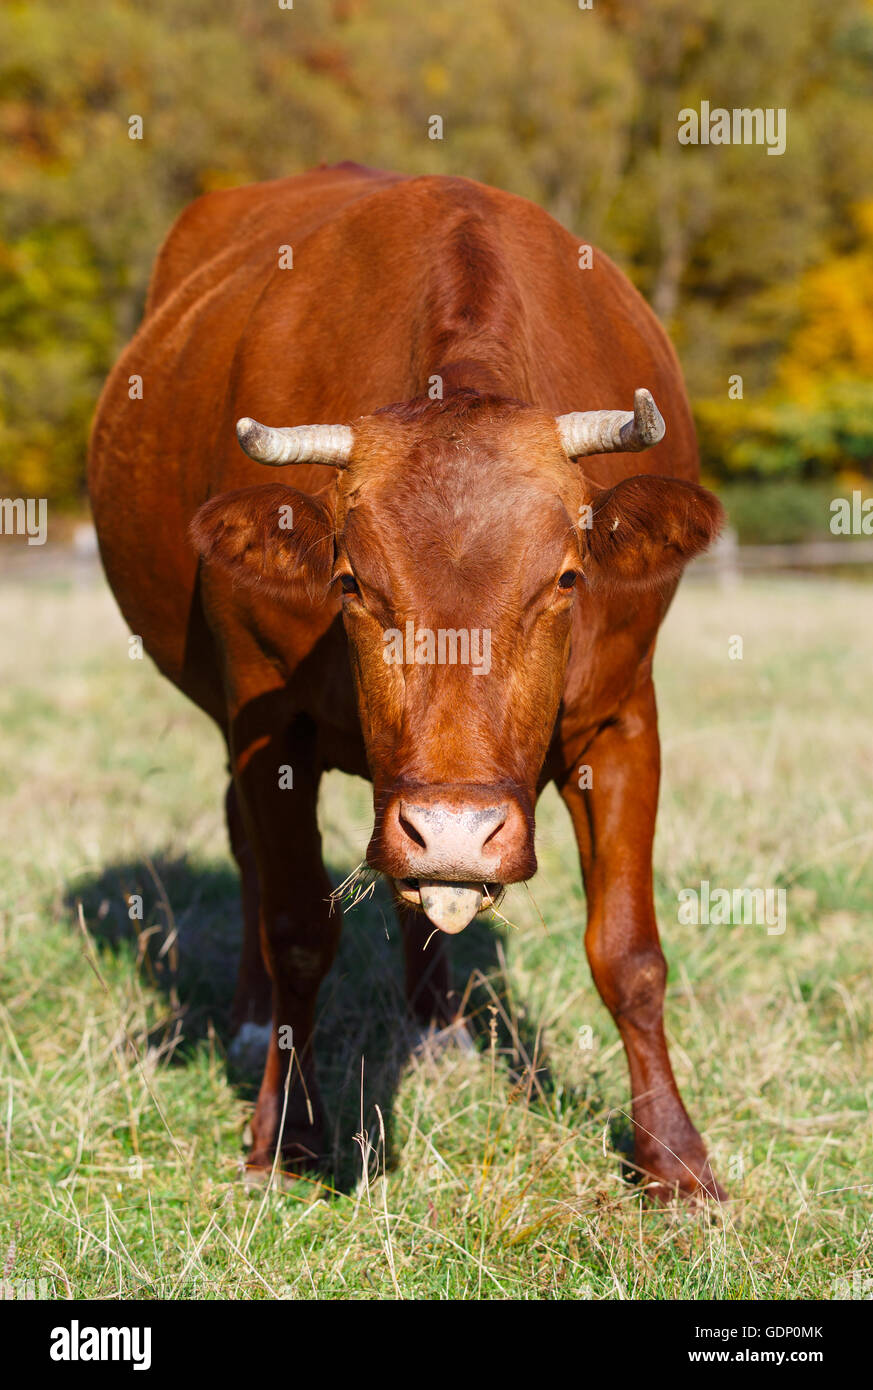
[271, 538]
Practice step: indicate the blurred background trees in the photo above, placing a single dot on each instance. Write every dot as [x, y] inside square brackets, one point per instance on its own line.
[760, 266]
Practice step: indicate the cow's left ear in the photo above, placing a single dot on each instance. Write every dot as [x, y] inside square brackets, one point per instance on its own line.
[645, 529]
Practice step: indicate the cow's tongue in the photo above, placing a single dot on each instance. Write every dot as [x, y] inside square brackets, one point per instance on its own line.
[450, 906]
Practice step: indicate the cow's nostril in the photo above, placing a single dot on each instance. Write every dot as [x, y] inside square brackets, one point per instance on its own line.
[496, 831]
[409, 829]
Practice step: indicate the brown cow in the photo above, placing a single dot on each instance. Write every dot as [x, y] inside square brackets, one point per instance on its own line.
[437, 595]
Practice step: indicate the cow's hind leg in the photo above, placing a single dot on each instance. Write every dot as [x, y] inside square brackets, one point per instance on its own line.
[614, 822]
[299, 930]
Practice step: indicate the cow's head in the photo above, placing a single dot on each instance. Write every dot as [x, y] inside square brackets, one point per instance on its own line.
[459, 537]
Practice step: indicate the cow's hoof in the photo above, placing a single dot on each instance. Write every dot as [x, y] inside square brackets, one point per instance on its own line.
[433, 1040]
[697, 1186]
[248, 1049]
[296, 1160]
[283, 1179]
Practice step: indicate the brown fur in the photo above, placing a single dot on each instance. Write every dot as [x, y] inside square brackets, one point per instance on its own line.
[460, 512]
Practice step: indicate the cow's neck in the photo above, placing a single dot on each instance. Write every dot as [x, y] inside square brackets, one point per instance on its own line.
[472, 324]
[470, 372]
[488, 375]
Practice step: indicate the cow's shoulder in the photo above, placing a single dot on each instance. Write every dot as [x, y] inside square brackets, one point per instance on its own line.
[226, 217]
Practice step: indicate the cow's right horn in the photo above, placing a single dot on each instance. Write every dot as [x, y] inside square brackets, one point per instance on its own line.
[298, 444]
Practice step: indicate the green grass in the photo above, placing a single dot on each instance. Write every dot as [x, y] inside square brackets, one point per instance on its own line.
[489, 1174]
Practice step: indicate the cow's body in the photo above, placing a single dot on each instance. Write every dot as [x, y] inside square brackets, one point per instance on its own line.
[395, 282]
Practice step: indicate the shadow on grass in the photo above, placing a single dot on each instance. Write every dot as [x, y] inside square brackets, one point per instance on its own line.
[187, 943]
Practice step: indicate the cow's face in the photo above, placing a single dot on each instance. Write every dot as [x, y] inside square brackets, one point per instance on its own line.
[460, 538]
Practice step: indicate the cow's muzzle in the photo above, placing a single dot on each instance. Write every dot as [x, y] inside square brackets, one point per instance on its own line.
[450, 849]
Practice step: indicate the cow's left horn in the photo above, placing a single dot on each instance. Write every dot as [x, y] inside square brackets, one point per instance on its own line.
[298, 444]
[610, 431]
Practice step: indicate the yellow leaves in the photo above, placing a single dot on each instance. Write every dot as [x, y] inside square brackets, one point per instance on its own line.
[211, 179]
[835, 334]
[863, 213]
[435, 78]
[33, 471]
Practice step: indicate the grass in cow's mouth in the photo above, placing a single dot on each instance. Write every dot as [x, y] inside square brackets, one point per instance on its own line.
[497, 1171]
[356, 887]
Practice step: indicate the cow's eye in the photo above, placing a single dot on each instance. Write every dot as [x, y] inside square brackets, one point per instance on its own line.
[349, 584]
[566, 581]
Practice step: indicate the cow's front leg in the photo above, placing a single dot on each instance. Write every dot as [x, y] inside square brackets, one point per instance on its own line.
[426, 969]
[299, 932]
[251, 1009]
[614, 821]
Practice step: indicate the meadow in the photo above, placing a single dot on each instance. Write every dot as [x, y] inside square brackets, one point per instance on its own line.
[492, 1171]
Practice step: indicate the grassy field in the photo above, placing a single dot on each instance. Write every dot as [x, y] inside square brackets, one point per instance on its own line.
[485, 1173]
